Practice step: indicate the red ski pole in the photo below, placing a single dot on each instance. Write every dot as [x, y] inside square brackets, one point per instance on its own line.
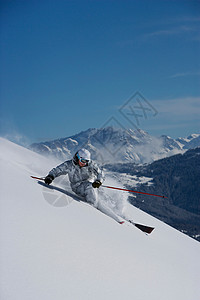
[120, 189]
[38, 178]
[114, 188]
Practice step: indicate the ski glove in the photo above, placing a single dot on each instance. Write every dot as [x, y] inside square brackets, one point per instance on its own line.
[48, 179]
[96, 184]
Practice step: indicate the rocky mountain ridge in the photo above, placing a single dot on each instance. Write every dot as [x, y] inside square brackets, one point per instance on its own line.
[111, 145]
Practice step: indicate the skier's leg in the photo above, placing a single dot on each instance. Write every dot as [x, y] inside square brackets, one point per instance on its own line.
[91, 194]
[118, 206]
[86, 190]
[107, 211]
[92, 197]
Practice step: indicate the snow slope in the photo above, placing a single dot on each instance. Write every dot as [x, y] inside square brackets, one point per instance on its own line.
[75, 252]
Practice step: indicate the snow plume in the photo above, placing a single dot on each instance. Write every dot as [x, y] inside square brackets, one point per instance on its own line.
[18, 138]
[150, 151]
[114, 199]
[9, 131]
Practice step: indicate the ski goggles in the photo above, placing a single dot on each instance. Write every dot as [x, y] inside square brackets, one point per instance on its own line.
[84, 161]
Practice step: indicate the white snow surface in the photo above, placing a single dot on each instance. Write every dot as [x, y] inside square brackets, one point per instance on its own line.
[75, 252]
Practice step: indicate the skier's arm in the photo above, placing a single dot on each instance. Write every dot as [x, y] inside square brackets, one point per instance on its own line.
[59, 170]
[99, 174]
[62, 169]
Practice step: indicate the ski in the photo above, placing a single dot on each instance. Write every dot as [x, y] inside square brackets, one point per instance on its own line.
[144, 228]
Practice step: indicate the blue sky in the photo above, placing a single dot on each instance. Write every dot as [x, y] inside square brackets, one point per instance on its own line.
[67, 66]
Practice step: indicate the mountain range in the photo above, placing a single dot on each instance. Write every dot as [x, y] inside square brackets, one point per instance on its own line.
[111, 145]
[178, 178]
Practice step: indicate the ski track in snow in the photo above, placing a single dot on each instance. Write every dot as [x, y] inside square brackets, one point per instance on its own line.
[61, 248]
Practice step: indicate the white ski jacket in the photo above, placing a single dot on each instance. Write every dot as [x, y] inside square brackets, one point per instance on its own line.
[77, 174]
[81, 179]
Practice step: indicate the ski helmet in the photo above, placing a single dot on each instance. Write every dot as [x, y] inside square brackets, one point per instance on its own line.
[82, 157]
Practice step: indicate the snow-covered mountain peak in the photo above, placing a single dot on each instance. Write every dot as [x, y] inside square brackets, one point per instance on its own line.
[110, 144]
[193, 136]
[192, 141]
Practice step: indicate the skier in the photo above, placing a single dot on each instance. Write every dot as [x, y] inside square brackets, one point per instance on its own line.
[85, 178]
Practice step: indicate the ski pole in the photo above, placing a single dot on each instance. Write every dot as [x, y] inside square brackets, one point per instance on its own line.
[114, 188]
[38, 178]
[143, 193]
